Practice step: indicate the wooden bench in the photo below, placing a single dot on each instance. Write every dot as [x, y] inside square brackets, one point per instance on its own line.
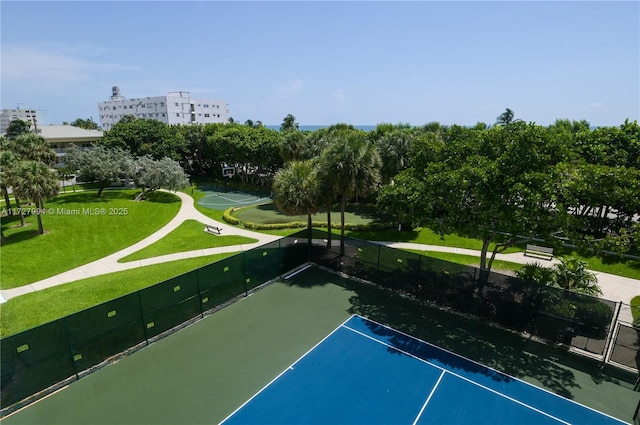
[213, 230]
[539, 251]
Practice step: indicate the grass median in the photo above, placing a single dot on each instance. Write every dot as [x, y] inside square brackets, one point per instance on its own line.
[80, 228]
[36, 308]
[189, 236]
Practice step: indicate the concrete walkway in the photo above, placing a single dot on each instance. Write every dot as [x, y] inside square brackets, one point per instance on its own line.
[614, 288]
[110, 264]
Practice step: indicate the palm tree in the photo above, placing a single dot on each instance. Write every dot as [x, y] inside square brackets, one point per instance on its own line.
[16, 128]
[296, 190]
[506, 117]
[8, 161]
[289, 124]
[349, 166]
[393, 148]
[572, 274]
[36, 182]
[32, 147]
[536, 273]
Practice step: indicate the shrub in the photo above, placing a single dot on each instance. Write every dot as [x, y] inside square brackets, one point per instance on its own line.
[317, 224]
[226, 216]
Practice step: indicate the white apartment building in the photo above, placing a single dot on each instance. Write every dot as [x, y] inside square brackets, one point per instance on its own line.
[8, 115]
[174, 108]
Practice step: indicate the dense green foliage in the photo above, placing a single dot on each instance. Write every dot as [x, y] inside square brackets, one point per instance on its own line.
[570, 273]
[501, 183]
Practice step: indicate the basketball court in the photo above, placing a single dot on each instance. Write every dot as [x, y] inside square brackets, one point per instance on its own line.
[224, 195]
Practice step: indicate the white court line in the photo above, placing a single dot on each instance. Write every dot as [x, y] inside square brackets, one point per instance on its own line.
[459, 376]
[298, 271]
[433, 390]
[487, 367]
[287, 369]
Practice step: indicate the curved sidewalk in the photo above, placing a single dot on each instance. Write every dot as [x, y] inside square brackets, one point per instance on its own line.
[110, 264]
[614, 288]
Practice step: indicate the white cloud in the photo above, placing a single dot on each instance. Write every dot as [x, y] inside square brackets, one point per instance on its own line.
[338, 95]
[52, 65]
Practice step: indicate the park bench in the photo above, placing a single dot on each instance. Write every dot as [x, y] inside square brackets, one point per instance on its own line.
[213, 230]
[538, 251]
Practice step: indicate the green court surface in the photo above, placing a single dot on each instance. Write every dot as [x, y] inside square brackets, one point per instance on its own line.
[270, 214]
[221, 199]
[204, 372]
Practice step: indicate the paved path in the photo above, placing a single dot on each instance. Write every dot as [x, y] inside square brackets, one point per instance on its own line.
[109, 264]
[614, 288]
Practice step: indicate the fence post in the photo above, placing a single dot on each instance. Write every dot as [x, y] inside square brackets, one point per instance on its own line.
[244, 267]
[608, 346]
[68, 334]
[200, 292]
[144, 325]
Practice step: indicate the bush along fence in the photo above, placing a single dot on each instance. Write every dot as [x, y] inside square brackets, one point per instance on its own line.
[37, 361]
[40, 360]
[588, 325]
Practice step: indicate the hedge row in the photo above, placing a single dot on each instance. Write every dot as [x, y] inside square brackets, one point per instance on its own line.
[226, 216]
[320, 224]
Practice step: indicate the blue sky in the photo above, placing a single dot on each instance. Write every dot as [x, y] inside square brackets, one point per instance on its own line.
[326, 62]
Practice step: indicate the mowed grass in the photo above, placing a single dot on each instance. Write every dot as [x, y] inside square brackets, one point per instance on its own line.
[36, 308]
[469, 260]
[189, 236]
[605, 264]
[422, 235]
[74, 237]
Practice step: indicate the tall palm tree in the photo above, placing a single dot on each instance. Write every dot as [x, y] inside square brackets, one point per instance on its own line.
[506, 117]
[349, 165]
[393, 148]
[36, 182]
[297, 191]
[8, 160]
[32, 147]
[289, 124]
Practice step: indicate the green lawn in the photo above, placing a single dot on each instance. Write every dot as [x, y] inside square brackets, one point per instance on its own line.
[189, 236]
[605, 264]
[469, 260]
[74, 237]
[423, 235]
[33, 309]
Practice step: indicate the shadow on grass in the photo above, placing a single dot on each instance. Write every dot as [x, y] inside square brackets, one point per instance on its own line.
[162, 198]
[469, 337]
[29, 231]
[92, 197]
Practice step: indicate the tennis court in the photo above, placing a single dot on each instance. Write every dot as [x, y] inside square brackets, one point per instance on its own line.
[221, 199]
[365, 372]
[355, 370]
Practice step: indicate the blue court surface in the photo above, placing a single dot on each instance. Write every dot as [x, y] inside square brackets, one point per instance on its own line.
[366, 373]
